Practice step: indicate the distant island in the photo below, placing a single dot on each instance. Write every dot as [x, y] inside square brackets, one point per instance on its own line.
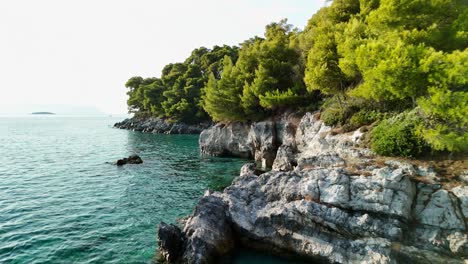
[42, 113]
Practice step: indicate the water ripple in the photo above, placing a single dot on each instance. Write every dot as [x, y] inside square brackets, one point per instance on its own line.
[61, 202]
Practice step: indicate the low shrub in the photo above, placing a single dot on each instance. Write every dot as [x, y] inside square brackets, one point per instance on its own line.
[332, 116]
[397, 136]
[364, 117]
[336, 111]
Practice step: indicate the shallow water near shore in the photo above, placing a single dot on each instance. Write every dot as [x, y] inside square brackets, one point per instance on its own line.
[62, 202]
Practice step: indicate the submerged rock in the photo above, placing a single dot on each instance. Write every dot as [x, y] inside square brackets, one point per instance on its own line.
[133, 159]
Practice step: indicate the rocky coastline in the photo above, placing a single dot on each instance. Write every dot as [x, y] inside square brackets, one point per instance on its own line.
[160, 126]
[326, 199]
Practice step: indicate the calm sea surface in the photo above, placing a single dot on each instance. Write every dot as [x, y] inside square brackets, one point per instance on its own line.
[62, 202]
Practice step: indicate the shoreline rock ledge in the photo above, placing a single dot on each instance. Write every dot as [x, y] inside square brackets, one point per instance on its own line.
[326, 199]
[159, 126]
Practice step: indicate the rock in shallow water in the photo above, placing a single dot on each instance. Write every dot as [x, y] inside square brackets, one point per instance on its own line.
[170, 242]
[207, 235]
[133, 159]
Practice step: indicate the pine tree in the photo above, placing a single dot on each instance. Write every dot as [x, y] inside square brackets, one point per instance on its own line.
[446, 105]
[222, 98]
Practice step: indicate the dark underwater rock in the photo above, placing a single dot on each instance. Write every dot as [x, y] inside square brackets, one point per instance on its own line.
[133, 159]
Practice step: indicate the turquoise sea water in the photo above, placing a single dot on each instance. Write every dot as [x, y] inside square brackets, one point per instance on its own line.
[62, 202]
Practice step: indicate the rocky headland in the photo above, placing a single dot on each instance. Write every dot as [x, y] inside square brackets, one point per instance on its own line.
[326, 199]
[159, 126]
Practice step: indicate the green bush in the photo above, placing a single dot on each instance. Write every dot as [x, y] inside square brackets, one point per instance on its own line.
[364, 117]
[337, 111]
[397, 136]
[332, 116]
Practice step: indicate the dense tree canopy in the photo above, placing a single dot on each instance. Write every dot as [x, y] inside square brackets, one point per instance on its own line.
[176, 95]
[222, 97]
[409, 53]
[369, 60]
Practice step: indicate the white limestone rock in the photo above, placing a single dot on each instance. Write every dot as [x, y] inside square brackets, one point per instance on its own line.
[441, 211]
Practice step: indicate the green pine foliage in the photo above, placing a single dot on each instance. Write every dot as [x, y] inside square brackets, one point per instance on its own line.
[446, 104]
[222, 97]
[406, 53]
[323, 70]
[361, 60]
[270, 72]
[177, 94]
[279, 98]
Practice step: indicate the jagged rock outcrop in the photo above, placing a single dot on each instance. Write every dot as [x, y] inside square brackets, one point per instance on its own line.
[207, 235]
[263, 138]
[170, 242]
[285, 159]
[159, 126]
[345, 218]
[258, 140]
[329, 200]
[230, 140]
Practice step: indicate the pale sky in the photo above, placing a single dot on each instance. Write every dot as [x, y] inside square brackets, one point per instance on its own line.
[80, 53]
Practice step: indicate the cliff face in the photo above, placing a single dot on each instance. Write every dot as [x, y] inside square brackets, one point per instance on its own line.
[159, 126]
[326, 199]
[257, 140]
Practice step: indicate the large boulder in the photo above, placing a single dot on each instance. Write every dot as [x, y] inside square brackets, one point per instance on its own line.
[258, 140]
[229, 140]
[206, 236]
[170, 242]
[263, 138]
[285, 159]
[331, 215]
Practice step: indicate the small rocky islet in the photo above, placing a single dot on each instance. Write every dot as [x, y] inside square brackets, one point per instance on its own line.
[42, 113]
[327, 198]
